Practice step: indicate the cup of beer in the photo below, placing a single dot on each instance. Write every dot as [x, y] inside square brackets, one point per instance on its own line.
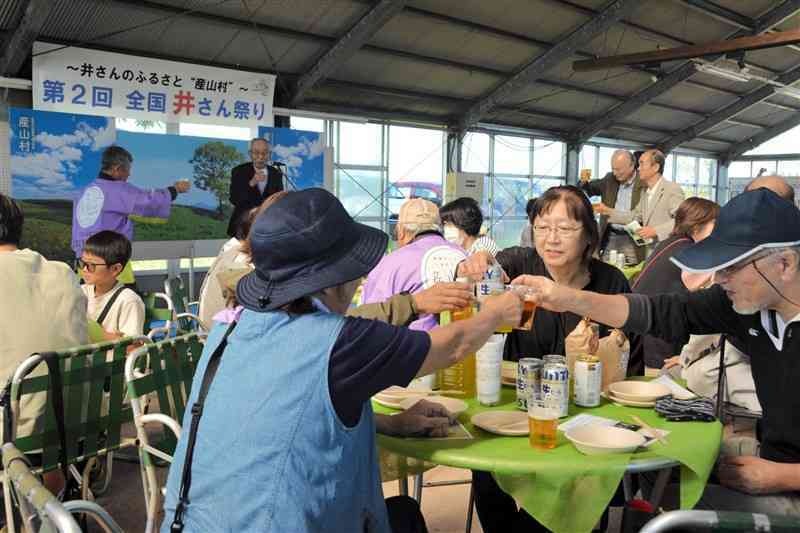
[528, 305]
[543, 424]
[586, 174]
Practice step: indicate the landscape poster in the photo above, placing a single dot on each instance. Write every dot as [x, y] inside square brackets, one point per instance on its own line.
[55, 155]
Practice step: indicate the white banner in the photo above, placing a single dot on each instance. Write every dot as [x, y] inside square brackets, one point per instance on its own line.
[91, 82]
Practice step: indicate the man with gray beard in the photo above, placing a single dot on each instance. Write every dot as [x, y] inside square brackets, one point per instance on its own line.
[754, 255]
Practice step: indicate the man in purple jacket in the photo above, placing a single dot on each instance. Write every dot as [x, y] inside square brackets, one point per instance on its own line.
[107, 201]
[424, 258]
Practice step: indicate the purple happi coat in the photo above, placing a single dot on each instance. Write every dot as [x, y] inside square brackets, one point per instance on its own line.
[105, 205]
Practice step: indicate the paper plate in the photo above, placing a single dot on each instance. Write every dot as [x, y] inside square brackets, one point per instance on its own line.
[508, 382]
[638, 391]
[508, 423]
[600, 440]
[454, 405]
[628, 403]
[509, 370]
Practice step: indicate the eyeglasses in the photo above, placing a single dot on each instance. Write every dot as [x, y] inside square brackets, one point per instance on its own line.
[83, 265]
[563, 232]
[733, 269]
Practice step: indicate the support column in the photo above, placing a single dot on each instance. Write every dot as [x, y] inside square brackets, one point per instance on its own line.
[573, 162]
[722, 181]
[453, 161]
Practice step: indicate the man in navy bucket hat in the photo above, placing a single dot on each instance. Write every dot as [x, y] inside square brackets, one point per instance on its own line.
[286, 441]
[754, 255]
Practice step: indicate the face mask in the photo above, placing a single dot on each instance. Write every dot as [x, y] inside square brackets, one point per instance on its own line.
[453, 234]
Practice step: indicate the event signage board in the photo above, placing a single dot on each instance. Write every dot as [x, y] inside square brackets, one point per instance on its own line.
[69, 79]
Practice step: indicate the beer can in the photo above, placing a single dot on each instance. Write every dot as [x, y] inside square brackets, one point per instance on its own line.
[588, 378]
[555, 387]
[555, 359]
[529, 377]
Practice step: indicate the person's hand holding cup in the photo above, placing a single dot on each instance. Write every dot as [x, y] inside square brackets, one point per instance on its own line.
[506, 307]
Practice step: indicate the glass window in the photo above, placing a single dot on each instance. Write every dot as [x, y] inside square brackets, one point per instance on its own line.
[215, 131]
[541, 185]
[548, 158]
[506, 231]
[416, 155]
[360, 191]
[785, 143]
[704, 192]
[685, 170]
[764, 168]
[360, 144]
[789, 168]
[141, 126]
[512, 155]
[605, 161]
[708, 172]
[307, 124]
[475, 152]
[739, 169]
[669, 168]
[588, 154]
[510, 196]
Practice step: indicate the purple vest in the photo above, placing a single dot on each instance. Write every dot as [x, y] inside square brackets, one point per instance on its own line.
[105, 205]
[414, 267]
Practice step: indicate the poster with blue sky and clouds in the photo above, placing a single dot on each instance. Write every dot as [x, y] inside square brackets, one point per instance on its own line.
[301, 151]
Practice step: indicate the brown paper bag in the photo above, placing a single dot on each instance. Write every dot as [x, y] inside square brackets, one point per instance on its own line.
[582, 340]
[614, 352]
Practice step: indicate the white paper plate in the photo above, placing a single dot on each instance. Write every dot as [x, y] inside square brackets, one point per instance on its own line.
[508, 423]
[599, 440]
[628, 403]
[638, 391]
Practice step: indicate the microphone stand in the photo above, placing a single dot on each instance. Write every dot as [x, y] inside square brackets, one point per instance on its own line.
[285, 177]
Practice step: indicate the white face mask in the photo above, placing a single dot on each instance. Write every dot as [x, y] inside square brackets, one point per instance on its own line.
[453, 234]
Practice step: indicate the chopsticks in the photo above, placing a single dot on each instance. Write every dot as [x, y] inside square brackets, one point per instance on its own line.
[656, 434]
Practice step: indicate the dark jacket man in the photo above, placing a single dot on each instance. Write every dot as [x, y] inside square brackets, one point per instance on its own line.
[245, 196]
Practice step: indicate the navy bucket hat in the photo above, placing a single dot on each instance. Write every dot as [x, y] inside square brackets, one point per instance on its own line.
[751, 222]
[303, 243]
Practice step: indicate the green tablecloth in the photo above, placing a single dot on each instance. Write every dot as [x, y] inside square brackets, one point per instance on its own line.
[562, 488]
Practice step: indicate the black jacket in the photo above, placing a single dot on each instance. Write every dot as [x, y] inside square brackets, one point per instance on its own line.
[244, 197]
[659, 276]
[776, 373]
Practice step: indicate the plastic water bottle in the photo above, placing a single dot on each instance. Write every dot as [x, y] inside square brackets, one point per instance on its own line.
[488, 363]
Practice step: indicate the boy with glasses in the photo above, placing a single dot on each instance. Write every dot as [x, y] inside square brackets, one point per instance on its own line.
[117, 308]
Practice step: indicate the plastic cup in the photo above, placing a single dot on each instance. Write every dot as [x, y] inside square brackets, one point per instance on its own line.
[543, 424]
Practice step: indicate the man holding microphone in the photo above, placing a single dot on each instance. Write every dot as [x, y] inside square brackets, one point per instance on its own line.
[252, 183]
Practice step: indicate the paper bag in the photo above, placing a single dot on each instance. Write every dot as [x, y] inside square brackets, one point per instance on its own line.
[614, 353]
[583, 340]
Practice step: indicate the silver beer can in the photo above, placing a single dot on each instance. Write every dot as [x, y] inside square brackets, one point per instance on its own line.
[555, 387]
[529, 378]
[588, 380]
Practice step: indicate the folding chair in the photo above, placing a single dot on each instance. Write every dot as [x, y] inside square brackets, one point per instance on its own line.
[92, 392]
[721, 521]
[185, 313]
[168, 376]
[724, 408]
[158, 320]
[37, 508]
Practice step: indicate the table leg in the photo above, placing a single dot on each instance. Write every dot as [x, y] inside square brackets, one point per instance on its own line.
[627, 490]
[658, 488]
[403, 481]
[418, 488]
[470, 507]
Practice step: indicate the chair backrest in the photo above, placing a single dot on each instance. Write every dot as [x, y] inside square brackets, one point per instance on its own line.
[721, 521]
[93, 390]
[37, 508]
[158, 320]
[168, 376]
[173, 287]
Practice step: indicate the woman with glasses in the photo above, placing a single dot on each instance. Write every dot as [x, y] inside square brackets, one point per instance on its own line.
[565, 238]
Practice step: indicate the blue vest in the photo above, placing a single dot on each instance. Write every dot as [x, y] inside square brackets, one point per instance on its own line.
[271, 453]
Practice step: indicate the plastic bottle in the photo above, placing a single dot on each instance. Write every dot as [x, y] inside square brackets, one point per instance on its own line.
[460, 377]
[488, 361]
